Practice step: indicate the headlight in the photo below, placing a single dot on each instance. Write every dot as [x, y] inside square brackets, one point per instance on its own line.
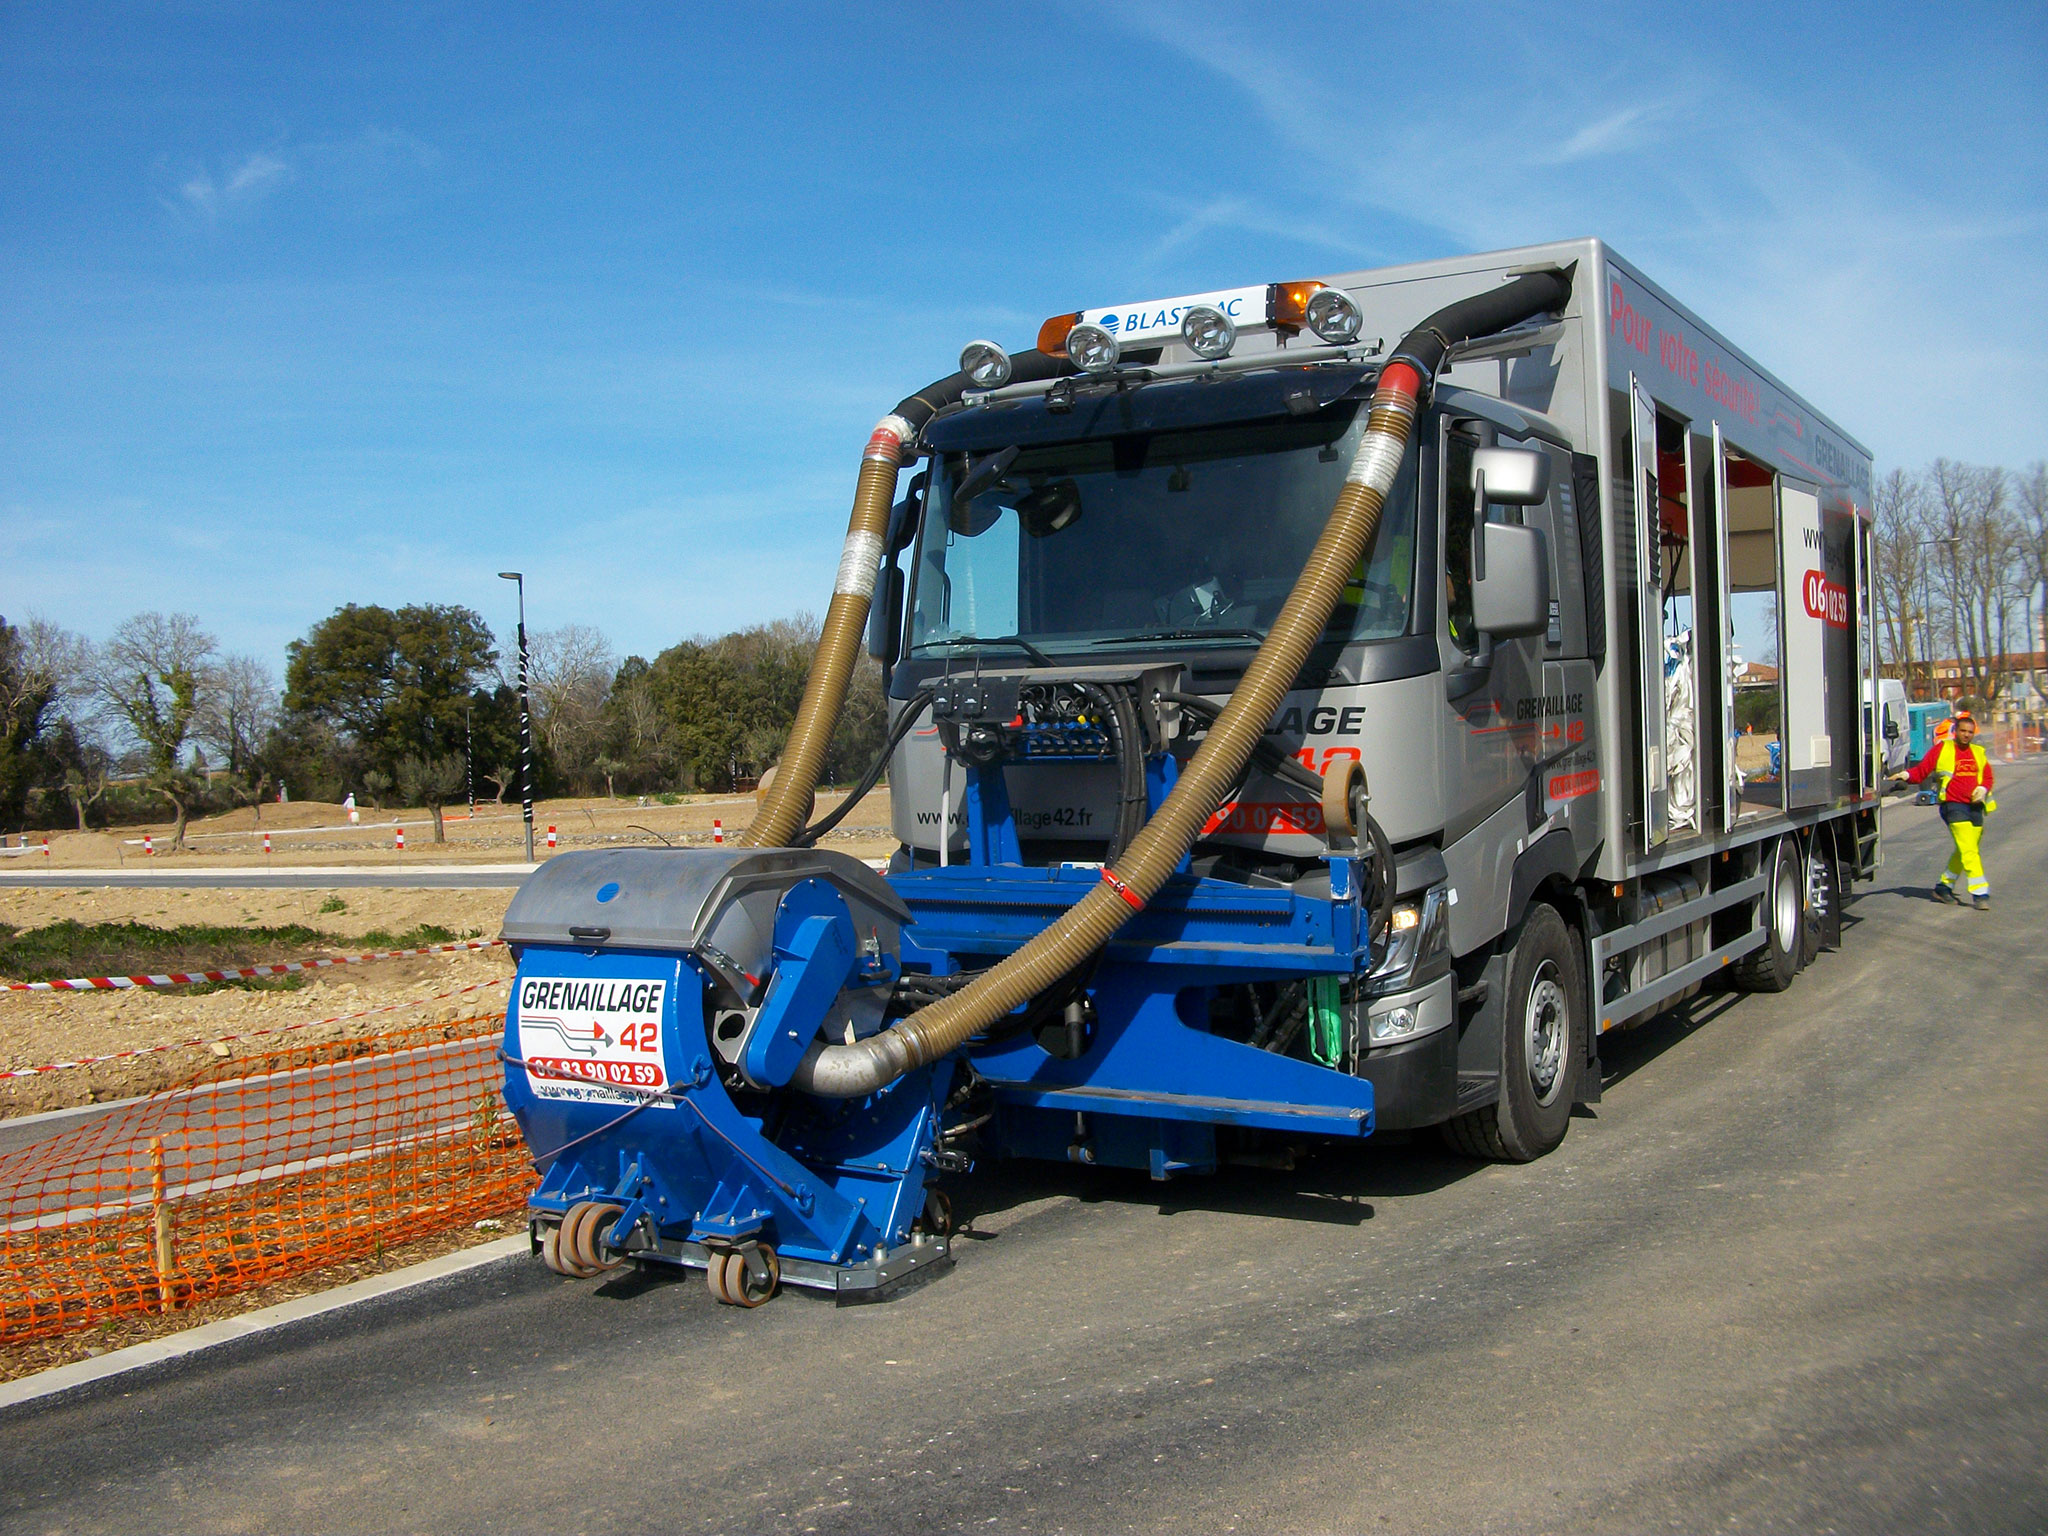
[1092, 349]
[1208, 331]
[1334, 316]
[1394, 1024]
[1419, 932]
[987, 364]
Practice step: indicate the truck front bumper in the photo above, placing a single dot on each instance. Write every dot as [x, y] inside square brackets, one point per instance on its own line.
[1415, 1081]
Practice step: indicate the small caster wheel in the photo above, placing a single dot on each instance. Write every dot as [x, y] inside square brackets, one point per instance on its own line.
[714, 1279]
[742, 1288]
[938, 1213]
[581, 1233]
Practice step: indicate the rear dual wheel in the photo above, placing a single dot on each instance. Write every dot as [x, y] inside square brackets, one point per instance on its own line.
[1771, 966]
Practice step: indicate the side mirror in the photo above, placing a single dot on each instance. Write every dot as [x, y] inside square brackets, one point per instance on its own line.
[885, 615]
[1891, 730]
[1511, 595]
[1512, 477]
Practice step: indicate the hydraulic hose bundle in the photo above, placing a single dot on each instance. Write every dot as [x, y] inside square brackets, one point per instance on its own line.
[1059, 950]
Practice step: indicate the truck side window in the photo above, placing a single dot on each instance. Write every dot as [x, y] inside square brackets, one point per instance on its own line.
[1458, 520]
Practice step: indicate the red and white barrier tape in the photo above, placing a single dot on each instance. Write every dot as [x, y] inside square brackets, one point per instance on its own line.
[288, 968]
[254, 1034]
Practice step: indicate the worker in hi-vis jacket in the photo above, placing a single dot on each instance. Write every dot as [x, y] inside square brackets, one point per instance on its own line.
[1962, 775]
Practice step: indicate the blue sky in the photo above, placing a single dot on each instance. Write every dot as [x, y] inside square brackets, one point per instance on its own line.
[308, 305]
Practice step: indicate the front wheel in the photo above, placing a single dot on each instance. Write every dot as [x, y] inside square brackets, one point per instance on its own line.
[1542, 1052]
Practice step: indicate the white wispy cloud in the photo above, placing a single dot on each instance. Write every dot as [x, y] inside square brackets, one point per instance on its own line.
[367, 172]
[247, 183]
[1828, 263]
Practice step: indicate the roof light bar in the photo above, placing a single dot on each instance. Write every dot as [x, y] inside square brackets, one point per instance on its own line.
[1284, 308]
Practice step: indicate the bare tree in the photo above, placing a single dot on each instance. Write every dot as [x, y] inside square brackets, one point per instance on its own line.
[237, 710]
[569, 676]
[2030, 490]
[78, 743]
[153, 675]
[1977, 566]
[1900, 506]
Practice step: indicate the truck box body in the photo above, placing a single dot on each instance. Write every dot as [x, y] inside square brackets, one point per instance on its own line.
[1687, 484]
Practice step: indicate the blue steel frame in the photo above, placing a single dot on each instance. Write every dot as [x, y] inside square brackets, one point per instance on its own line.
[831, 1181]
[1153, 1083]
[820, 1179]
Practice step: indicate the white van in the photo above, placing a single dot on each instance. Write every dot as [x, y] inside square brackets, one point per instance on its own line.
[1893, 727]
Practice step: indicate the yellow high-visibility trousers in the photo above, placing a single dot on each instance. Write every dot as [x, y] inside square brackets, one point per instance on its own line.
[1966, 861]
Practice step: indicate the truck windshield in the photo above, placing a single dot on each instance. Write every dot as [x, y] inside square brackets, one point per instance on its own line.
[1154, 540]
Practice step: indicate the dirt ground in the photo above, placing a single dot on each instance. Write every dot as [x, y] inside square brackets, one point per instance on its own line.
[37, 1028]
[40, 1028]
[315, 832]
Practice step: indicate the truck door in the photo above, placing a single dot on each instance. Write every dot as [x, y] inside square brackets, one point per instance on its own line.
[1808, 744]
[1723, 657]
[1649, 604]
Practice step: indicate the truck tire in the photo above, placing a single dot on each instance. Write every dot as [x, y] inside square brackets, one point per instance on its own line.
[1543, 1048]
[1823, 894]
[1771, 966]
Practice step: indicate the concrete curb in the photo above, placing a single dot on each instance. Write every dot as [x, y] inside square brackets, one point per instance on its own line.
[66, 1378]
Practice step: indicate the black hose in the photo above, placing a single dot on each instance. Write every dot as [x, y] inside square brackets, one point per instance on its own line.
[914, 707]
[1534, 293]
[1128, 737]
[1025, 368]
[1265, 754]
[1281, 766]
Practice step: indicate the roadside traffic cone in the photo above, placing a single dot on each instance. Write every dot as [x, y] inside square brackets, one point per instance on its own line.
[46, 847]
[266, 845]
[551, 839]
[148, 844]
[401, 839]
[717, 830]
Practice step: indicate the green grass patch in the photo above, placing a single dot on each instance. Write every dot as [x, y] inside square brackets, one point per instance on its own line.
[71, 948]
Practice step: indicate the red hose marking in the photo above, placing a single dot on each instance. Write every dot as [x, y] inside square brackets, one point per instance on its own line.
[1403, 377]
[1131, 898]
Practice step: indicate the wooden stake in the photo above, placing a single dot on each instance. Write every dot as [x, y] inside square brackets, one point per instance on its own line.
[160, 1209]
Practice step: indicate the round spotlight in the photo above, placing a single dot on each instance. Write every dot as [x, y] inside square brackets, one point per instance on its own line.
[1092, 349]
[987, 364]
[1208, 331]
[1334, 316]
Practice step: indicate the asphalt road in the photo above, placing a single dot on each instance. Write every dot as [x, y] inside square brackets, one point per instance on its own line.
[1788, 1275]
[320, 877]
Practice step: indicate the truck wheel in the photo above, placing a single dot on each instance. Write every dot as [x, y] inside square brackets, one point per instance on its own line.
[1771, 966]
[1823, 894]
[1543, 1049]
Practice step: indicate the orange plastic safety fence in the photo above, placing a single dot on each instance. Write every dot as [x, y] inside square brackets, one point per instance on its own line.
[254, 1170]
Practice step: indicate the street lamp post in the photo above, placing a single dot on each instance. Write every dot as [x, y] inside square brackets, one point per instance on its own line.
[525, 719]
